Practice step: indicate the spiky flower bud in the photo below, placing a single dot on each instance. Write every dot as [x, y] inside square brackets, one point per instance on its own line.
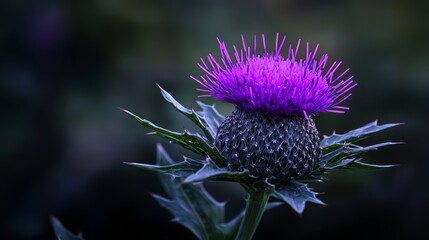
[269, 146]
[271, 133]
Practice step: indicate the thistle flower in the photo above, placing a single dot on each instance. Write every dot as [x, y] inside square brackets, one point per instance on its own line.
[271, 133]
[269, 144]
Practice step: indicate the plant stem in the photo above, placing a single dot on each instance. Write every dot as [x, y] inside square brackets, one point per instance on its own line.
[255, 207]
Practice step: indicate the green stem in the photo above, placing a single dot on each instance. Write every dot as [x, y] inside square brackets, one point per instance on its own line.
[255, 207]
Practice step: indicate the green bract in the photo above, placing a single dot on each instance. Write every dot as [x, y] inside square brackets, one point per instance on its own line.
[193, 207]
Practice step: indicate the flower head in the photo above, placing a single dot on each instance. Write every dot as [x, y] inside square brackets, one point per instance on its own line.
[271, 83]
[269, 146]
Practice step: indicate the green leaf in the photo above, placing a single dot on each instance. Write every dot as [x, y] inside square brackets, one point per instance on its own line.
[188, 140]
[296, 194]
[211, 116]
[357, 164]
[330, 143]
[348, 150]
[362, 165]
[210, 171]
[181, 170]
[340, 164]
[182, 139]
[191, 205]
[191, 114]
[62, 233]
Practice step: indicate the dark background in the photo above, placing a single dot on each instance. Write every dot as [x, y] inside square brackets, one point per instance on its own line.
[66, 65]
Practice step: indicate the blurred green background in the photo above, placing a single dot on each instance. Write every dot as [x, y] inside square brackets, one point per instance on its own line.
[65, 67]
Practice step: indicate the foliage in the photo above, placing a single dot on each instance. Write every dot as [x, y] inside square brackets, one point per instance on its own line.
[193, 207]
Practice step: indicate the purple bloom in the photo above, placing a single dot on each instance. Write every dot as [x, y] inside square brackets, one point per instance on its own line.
[270, 83]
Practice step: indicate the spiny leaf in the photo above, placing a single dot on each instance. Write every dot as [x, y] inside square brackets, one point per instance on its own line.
[190, 141]
[210, 171]
[340, 164]
[296, 194]
[62, 233]
[349, 150]
[330, 143]
[182, 169]
[191, 205]
[357, 164]
[191, 114]
[211, 116]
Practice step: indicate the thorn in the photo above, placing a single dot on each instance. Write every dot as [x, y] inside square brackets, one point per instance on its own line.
[306, 116]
